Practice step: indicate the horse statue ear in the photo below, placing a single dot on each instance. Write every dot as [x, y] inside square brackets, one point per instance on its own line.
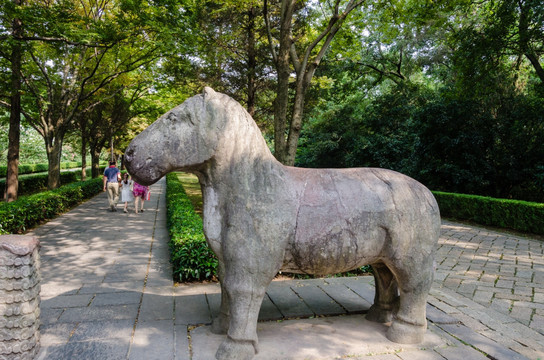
[209, 92]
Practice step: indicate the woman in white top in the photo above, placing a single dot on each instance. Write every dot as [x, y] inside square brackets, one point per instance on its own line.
[126, 190]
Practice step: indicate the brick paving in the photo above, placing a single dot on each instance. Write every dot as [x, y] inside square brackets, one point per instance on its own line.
[107, 293]
[501, 271]
[493, 282]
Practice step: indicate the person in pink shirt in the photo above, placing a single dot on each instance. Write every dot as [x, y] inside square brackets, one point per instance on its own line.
[139, 192]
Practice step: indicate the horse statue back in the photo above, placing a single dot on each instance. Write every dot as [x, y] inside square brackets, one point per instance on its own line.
[261, 217]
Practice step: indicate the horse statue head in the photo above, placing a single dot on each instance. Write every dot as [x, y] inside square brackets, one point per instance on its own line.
[188, 136]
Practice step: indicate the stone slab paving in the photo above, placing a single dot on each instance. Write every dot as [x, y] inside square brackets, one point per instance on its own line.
[317, 338]
[107, 293]
[106, 282]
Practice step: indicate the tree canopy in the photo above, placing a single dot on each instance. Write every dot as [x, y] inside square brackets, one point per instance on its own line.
[449, 92]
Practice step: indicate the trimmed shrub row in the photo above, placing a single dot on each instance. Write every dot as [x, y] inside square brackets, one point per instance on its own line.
[33, 183]
[192, 259]
[511, 214]
[30, 184]
[35, 168]
[28, 211]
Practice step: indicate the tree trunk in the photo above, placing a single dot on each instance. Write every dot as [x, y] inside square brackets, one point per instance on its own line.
[251, 61]
[281, 103]
[54, 152]
[112, 153]
[305, 66]
[536, 65]
[83, 158]
[95, 163]
[524, 39]
[14, 134]
[303, 83]
[296, 126]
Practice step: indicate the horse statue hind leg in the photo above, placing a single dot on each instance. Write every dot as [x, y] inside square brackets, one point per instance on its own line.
[386, 297]
[409, 322]
[402, 287]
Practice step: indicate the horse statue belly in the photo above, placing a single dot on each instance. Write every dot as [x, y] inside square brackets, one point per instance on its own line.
[346, 217]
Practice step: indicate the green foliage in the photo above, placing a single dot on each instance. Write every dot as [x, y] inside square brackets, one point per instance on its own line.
[192, 259]
[454, 139]
[38, 182]
[36, 168]
[33, 183]
[500, 48]
[28, 211]
[448, 142]
[25, 169]
[112, 50]
[511, 214]
[31, 147]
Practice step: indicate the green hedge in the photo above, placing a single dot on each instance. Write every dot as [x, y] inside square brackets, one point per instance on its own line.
[192, 259]
[511, 214]
[36, 168]
[30, 184]
[28, 211]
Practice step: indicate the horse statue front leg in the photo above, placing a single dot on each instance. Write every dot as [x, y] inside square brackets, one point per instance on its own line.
[220, 324]
[245, 299]
[245, 281]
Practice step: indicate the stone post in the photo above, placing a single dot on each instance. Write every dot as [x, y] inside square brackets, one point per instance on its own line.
[19, 297]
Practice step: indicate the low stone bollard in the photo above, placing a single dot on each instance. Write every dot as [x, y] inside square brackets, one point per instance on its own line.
[19, 297]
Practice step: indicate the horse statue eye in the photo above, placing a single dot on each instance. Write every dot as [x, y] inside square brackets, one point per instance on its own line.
[129, 154]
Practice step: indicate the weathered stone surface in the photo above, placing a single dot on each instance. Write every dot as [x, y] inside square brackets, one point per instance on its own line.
[339, 337]
[19, 333]
[19, 297]
[18, 346]
[261, 216]
[17, 272]
[8, 297]
[22, 308]
[20, 284]
[7, 259]
[20, 321]
[19, 245]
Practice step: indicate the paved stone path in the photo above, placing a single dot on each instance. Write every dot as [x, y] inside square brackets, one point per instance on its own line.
[107, 293]
[494, 284]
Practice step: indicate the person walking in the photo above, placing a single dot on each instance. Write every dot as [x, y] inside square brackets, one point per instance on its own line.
[112, 176]
[139, 192]
[126, 190]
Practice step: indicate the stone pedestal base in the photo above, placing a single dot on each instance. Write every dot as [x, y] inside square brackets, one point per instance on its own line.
[19, 297]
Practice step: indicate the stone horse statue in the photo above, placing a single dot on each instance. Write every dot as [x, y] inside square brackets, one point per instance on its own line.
[261, 217]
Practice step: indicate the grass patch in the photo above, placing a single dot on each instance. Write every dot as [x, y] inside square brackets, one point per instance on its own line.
[192, 190]
[192, 259]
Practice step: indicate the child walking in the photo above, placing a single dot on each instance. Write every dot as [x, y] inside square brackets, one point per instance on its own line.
[140, 193]
[126, 190]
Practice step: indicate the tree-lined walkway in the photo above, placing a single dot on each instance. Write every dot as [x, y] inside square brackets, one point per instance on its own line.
[107, 293]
